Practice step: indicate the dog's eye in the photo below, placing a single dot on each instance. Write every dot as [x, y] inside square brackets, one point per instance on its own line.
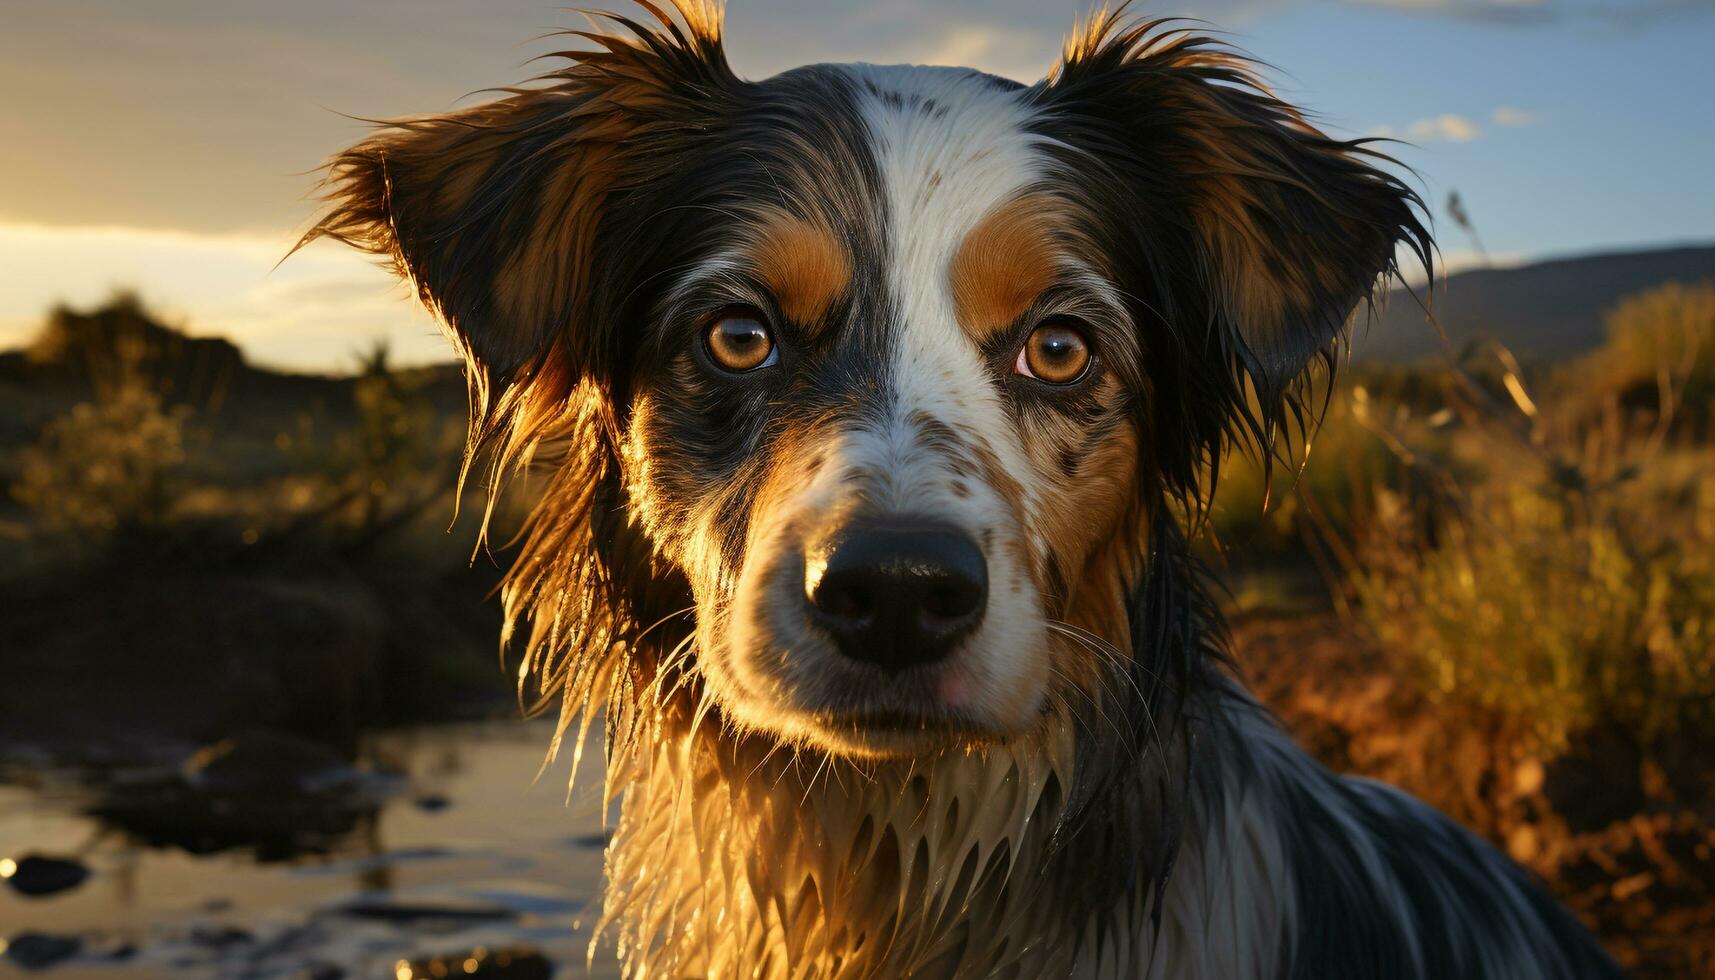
[740, 341]
[1055, 353]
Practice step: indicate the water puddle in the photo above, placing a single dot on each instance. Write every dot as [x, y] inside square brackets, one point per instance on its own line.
[442, 855]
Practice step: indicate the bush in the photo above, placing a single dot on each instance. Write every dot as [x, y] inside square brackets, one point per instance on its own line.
[110, 465]
[1555, 612]
[1659, 341]
[1535, 597]
[1671, 327]
[399, 445]
[1561, 577]
[1324, 490]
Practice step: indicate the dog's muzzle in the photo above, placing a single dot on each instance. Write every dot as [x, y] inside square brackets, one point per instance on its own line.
[896, 594]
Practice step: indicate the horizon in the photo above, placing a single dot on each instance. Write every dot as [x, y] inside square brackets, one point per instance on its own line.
[361, 346]
[222, 112]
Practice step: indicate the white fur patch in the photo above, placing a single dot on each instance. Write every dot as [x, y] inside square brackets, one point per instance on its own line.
[952, 145]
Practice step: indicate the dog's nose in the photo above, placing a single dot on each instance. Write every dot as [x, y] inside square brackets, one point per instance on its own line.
[899, 595]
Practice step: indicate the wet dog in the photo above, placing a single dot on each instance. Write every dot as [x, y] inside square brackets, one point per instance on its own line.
[872, 404]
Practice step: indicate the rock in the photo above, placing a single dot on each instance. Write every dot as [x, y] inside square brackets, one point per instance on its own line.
[112, 949]
[520, 963]
[220, 937]
[40, 950]
[432, 802]
[272, 792]
[268, 763]
[39, 874]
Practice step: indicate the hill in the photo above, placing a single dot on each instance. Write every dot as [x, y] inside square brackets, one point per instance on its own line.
[78, 354]
[1546, 310]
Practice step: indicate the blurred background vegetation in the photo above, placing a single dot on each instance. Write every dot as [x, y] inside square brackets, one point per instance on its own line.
[1494, 584]
[190, 516]
[1490, 580]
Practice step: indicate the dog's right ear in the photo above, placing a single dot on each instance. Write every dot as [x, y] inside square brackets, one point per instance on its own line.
[495, 214]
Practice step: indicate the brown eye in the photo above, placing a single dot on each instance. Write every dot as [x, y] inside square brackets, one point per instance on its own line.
[1055, 352]
[740, 342]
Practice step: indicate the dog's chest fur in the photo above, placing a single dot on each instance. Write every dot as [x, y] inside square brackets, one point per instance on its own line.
[737, 860]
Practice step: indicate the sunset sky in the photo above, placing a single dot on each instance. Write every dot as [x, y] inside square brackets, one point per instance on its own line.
[165, 146]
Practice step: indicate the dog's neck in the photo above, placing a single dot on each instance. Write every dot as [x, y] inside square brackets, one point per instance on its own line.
[737, 857]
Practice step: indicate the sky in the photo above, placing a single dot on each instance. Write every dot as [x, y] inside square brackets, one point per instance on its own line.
[169, 147]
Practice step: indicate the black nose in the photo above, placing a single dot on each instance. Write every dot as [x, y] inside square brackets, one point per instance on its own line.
[900, 595]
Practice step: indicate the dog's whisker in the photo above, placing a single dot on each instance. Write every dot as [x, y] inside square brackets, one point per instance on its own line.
[652, 627]
[1094, 703]
[1096, 644]
[776, 747]
[1140, 699]
[810, 784]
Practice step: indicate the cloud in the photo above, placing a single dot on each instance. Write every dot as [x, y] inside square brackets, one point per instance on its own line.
[1506, 11]
[1450, 127]
[1445, 128]
[1525, 13]
[1453, 261]
[1012, 53]
[208, 116]
[1510, 116]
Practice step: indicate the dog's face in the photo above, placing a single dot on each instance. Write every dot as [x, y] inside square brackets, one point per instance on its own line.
[895, 365]
[882, 421]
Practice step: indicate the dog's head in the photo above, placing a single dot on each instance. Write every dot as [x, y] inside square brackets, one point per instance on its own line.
[887, 372]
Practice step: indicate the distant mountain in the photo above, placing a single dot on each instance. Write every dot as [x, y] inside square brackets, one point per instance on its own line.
[1547, 310]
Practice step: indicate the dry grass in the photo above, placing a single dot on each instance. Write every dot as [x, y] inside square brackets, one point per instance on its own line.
[1529, 642]
[1561, 576]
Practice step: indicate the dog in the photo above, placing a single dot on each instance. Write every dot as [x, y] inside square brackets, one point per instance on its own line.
[872, 409]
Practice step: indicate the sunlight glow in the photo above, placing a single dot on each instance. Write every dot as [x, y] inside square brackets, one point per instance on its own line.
[312, 312]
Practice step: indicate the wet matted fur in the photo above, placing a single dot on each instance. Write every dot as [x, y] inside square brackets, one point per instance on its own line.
[1082, 788]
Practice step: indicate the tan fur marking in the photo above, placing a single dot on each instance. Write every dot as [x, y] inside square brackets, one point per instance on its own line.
[1004, 264]
[1097, 535]
[804, 265]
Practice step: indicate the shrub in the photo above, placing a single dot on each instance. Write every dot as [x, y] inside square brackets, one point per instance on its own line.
[1659, 342]
[398, 445]
[1554, 612]
[1671, 327]
[1323, 490]
[1561, 578]
[110, 465]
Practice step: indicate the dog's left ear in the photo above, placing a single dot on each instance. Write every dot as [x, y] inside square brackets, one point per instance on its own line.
[502, 215]
[516, 221]
[1287, 230]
